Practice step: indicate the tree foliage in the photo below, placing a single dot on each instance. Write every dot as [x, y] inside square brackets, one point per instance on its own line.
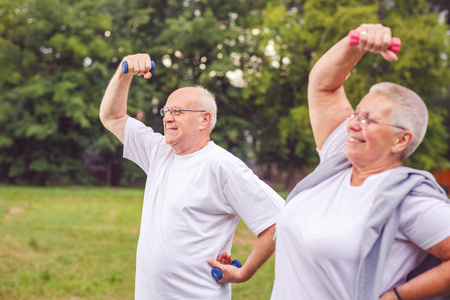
[300, 32]
[57, 57]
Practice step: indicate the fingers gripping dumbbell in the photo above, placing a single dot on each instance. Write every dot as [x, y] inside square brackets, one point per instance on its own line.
[353, 40]
[217, 273]
[125, 67]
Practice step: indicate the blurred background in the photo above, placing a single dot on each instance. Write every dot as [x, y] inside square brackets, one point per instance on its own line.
[57, 57]
[70, 204]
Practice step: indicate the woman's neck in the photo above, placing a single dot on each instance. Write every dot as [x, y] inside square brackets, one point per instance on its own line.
[359, 175]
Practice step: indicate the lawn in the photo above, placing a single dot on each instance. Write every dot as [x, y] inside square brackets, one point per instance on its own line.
[80, 242]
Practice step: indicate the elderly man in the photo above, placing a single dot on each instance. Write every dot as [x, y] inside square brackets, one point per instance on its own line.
[360, 223]
[195, 195]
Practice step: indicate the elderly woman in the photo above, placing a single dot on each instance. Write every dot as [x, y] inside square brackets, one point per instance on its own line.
[360, 223]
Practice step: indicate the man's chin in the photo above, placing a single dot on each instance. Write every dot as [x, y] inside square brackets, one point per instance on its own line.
[170, 142]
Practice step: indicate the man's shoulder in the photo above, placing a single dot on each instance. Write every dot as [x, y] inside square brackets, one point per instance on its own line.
[220, 157]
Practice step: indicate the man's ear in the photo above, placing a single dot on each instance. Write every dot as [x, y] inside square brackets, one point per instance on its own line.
[206, 120]
[402, 141]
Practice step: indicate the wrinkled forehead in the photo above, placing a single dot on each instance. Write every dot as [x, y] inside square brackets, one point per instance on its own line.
[183, 98]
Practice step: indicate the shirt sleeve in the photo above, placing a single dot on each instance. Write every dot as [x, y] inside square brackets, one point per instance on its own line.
[425, 221]
[140, 143]
[257, 204]
[335, 142]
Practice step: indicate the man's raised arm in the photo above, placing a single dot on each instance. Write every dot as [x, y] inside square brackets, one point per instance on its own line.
[113, 109]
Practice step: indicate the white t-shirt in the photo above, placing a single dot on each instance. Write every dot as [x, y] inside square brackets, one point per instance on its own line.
[192, 205]
[319, 235]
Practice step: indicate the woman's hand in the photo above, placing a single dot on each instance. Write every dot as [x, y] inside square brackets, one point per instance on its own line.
[376, 38]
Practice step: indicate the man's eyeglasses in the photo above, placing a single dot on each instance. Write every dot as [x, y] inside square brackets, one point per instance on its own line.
[364, 120]
[175, 111]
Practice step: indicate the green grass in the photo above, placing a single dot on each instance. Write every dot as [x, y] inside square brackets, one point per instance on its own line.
[80, 243]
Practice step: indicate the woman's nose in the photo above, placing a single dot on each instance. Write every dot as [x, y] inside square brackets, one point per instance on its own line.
[353, 123]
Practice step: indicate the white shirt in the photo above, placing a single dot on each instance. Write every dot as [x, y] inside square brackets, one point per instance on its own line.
[319, 235]
[192, 205]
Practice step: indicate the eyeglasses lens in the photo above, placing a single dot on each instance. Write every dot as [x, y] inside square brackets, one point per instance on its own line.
[174, 111]
[363, 120]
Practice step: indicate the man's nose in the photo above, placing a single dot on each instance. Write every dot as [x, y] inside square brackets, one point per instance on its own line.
[168, 117]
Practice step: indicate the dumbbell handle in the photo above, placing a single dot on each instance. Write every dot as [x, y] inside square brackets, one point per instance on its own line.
[125, 67]
[353, 40]
[217, 273]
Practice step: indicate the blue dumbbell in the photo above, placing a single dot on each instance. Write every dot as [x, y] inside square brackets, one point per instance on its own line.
[217, 273]
[125, 67]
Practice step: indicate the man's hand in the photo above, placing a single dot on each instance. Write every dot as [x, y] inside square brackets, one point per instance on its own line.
[139, 64]
[224, 258]
[230, 273]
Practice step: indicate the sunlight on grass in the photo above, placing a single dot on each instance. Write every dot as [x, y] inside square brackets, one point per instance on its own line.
[80, 243]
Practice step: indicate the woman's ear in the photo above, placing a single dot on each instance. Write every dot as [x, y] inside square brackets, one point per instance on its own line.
[402, 141]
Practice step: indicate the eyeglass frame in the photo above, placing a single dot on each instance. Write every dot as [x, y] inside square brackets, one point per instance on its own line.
[176, 111]
[364, 121]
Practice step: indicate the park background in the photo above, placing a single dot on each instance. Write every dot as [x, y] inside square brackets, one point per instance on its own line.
[70, 204]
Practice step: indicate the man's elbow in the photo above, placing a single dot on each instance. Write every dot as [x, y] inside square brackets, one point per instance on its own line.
[103, 118]
[113, 123]
[107, 120]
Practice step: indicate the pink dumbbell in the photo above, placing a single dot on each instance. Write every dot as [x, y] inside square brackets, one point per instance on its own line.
[353, 39]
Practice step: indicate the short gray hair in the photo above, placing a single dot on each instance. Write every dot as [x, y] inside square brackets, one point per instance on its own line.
[207, 101]
[409, 111]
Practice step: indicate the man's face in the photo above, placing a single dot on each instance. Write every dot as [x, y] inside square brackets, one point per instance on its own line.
[182, 132]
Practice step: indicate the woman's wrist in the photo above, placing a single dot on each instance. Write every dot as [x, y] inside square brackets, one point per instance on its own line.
[397, 294]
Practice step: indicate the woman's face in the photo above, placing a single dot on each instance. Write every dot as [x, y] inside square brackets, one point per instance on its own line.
[371, 147]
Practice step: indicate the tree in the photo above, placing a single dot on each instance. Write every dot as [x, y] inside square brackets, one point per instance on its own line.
[255, 56]
[294, 35]
[65, 54]
[46, 114]
[203, 46]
